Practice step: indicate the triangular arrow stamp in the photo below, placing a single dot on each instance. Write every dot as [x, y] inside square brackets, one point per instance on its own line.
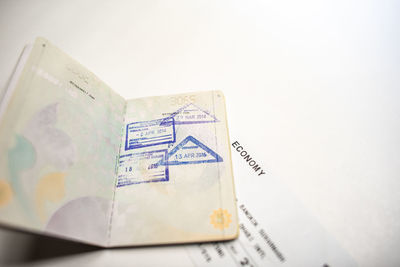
[190, 151]
[192, 114]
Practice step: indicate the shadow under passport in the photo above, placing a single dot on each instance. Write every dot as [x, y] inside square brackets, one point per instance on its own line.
[20, 248]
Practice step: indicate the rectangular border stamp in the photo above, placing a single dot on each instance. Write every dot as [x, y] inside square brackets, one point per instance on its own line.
[155, 171]
[150, 133]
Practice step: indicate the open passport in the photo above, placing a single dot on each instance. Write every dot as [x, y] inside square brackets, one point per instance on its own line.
[80, 162]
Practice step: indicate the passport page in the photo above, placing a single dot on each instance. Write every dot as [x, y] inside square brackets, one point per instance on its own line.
[175, 181]
[59, 138]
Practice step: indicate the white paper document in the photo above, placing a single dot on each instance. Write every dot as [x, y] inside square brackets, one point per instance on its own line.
[275, 229]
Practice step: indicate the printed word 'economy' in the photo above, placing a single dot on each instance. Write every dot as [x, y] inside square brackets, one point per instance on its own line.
[252, 163]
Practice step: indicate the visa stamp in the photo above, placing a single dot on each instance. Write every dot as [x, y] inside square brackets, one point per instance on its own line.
[192, 114]
[143, 167]
[150, 133]
[191, 151]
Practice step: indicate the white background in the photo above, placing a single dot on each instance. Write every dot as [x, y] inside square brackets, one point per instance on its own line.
[312, 89]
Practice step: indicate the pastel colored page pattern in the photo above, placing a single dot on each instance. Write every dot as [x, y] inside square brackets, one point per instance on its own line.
[59, 139]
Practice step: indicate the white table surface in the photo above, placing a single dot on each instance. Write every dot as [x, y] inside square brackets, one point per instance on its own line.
[316, 83]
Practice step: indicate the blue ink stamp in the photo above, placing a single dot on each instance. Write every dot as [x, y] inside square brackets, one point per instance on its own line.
[142, 167]
[150, 133]
[192, 114]
[190, 151]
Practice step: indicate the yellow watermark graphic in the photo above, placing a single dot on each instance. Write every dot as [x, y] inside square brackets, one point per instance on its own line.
[220, 219]
[6, 193]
